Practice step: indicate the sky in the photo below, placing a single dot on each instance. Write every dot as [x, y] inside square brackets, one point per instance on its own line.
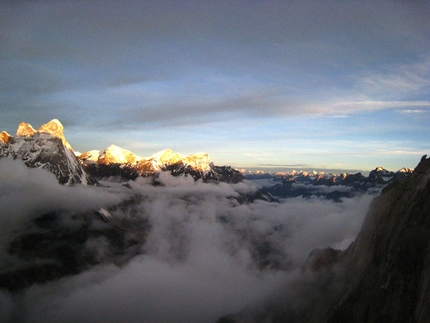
[255, 84]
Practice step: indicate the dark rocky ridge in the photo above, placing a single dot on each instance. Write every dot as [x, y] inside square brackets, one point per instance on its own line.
[389, 263]
[384, 276]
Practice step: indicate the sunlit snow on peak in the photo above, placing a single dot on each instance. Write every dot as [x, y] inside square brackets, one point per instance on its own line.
[117, 155]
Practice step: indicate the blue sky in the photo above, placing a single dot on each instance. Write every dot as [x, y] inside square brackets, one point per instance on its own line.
[275, 84]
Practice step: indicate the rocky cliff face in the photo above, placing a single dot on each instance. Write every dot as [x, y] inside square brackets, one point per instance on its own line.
[384, 276]
[389, 263]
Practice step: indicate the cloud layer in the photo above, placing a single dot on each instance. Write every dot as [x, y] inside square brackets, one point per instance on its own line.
[205, 255]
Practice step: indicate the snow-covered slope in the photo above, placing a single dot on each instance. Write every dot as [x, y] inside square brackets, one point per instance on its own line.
[116, 155]
[199, 162]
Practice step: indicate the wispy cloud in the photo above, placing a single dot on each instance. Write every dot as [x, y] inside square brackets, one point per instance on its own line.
[397, 80]
[412, 111]
[341, 109]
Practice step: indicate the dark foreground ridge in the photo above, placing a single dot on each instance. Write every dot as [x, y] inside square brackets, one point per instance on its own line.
[384, 276]
[388, 265]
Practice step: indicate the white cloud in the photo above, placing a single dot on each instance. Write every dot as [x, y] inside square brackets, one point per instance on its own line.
[27, 193]
[346, 107]
[202, 256]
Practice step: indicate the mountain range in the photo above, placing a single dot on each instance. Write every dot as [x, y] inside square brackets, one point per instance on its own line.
[47, 148]
[333, 186]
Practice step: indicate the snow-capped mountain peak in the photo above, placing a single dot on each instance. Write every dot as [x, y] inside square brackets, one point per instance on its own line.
[164, 158]
[55, 128]
[115, 161]
[117, 155]
[45, 148]
[200, 162]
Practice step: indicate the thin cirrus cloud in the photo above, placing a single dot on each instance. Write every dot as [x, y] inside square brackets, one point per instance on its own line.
[413, 111]
[402, 80]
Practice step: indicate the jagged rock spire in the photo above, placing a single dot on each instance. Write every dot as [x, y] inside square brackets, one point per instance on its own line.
[25, 129]
[53, 127]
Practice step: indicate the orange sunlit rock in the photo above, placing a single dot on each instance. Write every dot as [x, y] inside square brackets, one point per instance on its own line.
[25, 129]
[55, 128]
[4, 137]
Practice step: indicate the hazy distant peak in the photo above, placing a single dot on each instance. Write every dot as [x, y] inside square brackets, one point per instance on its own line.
[406, 170]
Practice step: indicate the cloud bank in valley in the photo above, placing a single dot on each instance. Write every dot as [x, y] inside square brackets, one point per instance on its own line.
[26, 193]
[205, 255]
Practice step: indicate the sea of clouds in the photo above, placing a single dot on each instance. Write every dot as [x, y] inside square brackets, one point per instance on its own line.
[206, 254]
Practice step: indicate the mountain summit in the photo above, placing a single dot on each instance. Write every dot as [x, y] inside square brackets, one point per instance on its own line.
[116, 155]
[53, 127]
[45, 148]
